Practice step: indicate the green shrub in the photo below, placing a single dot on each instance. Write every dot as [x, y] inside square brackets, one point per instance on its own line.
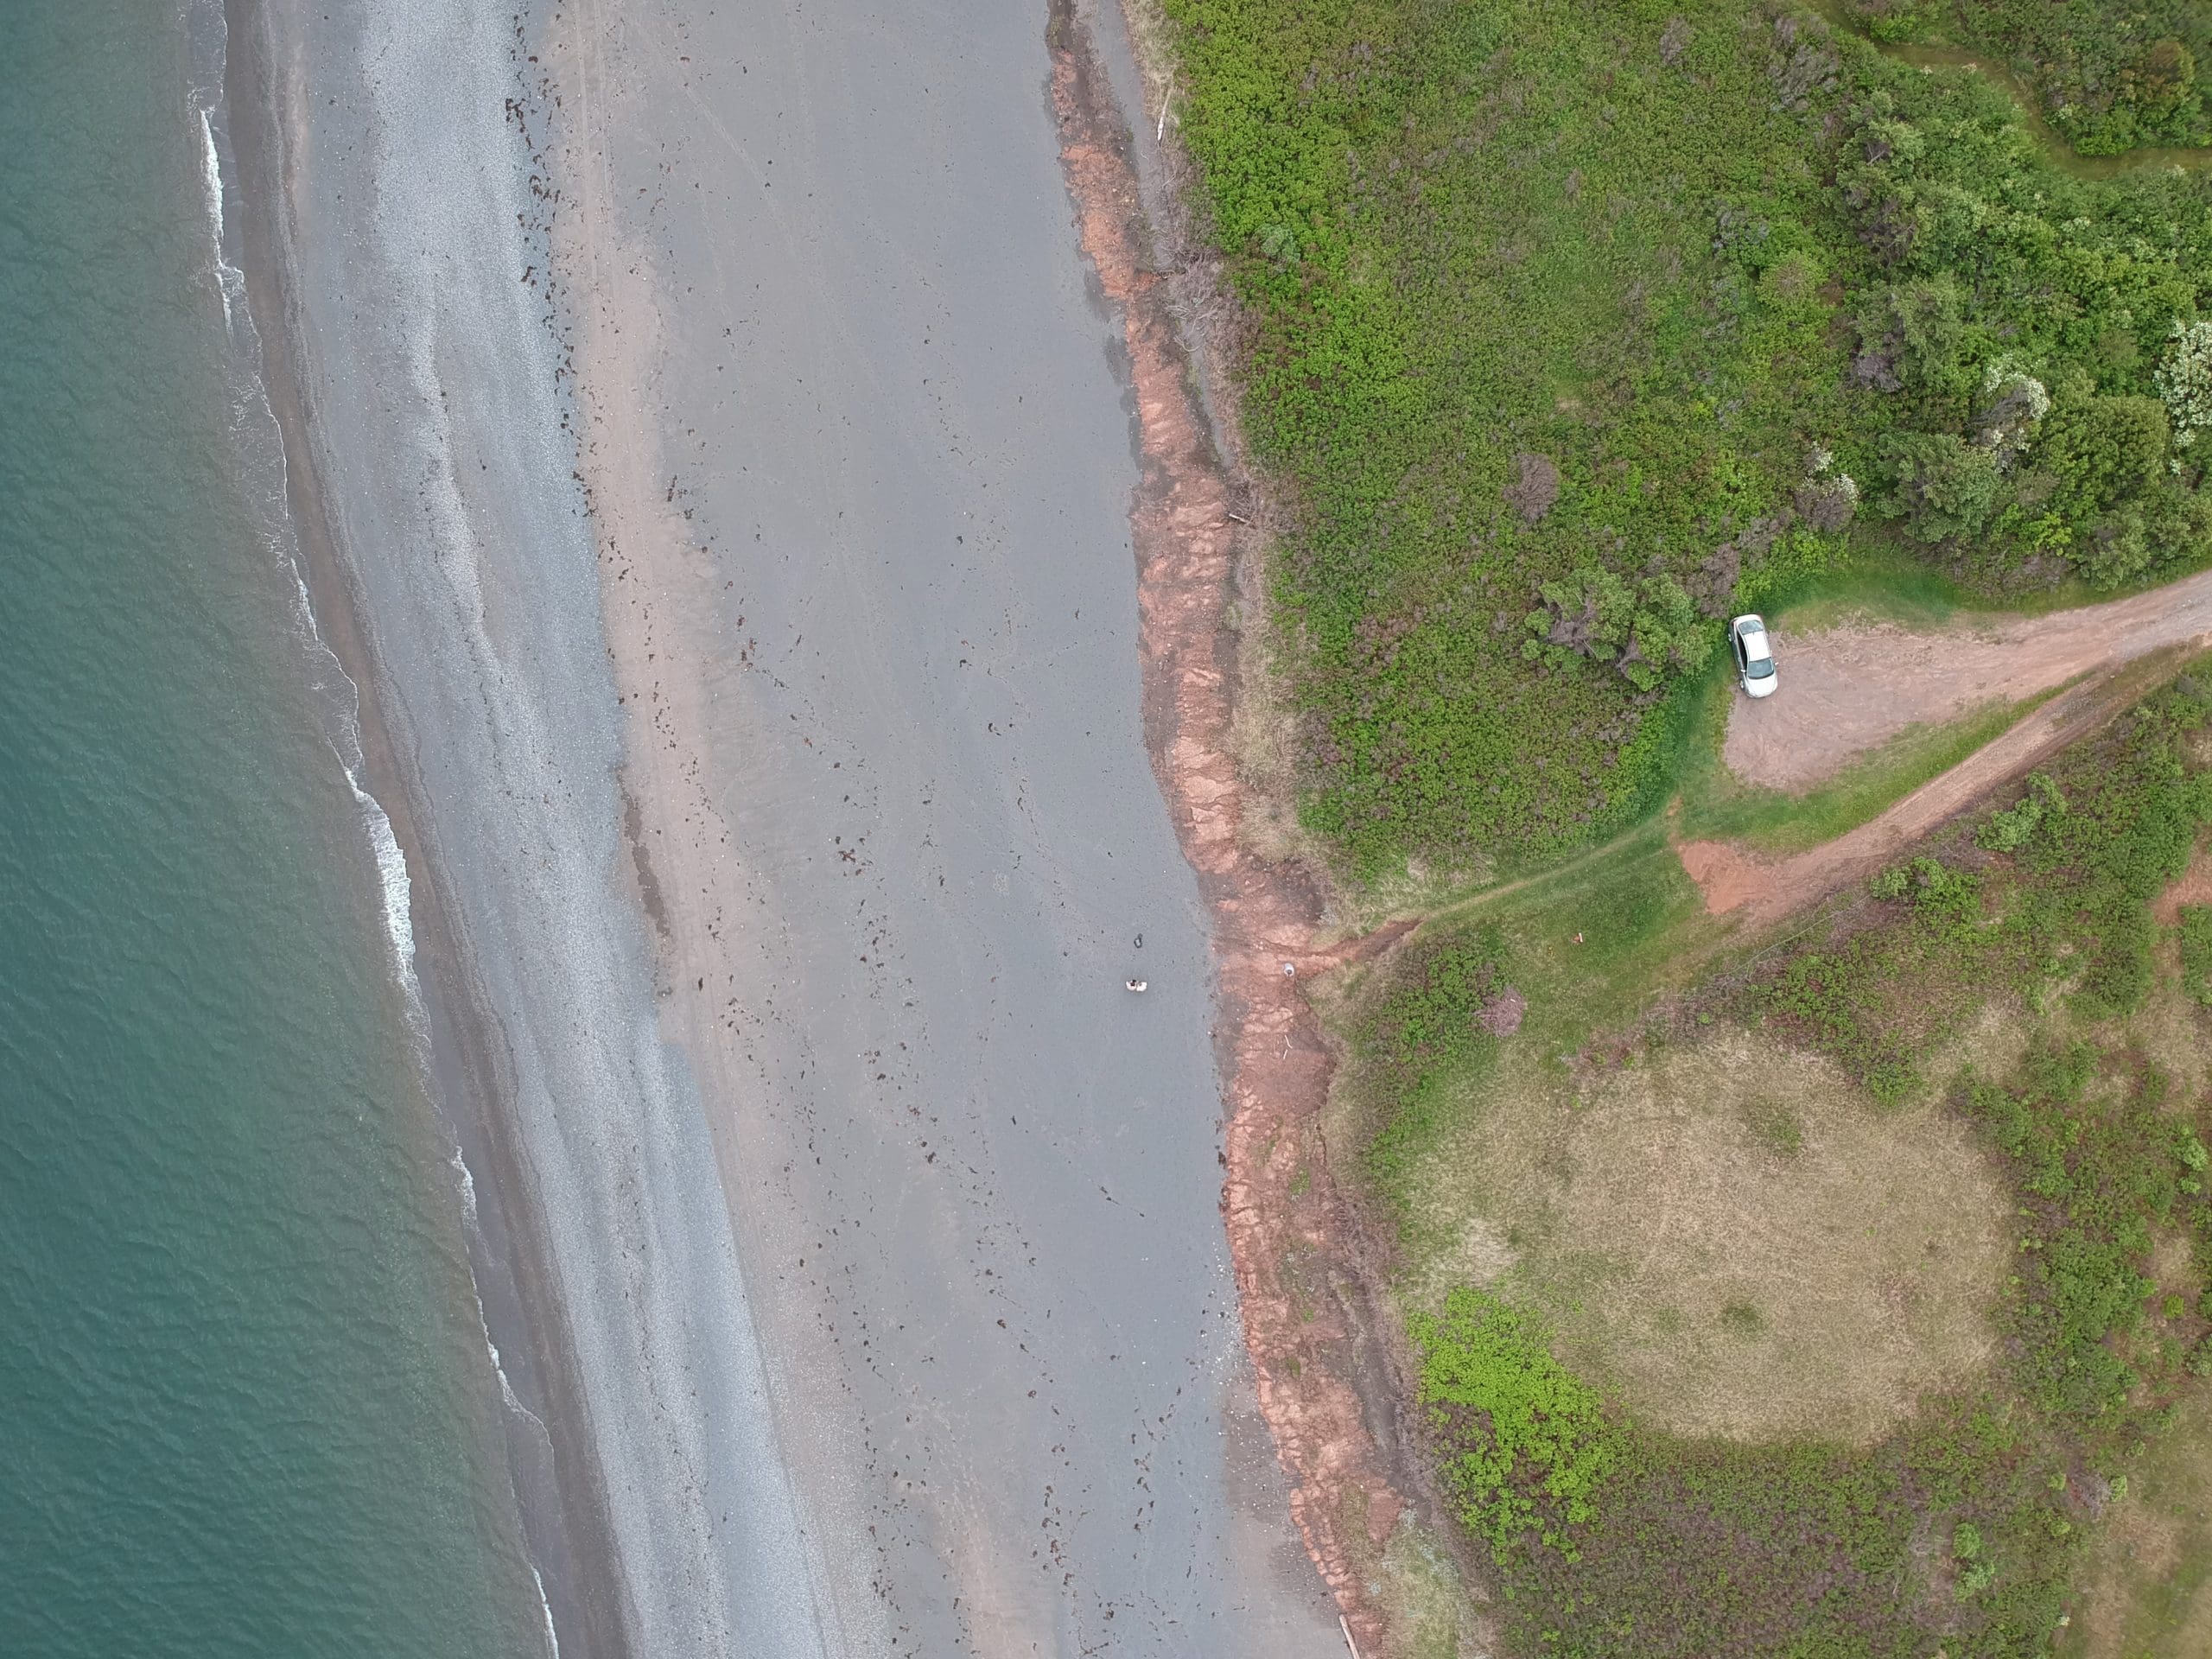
[1946, 487]
[1526, 1442]
[1644, 630]
[2195, 931]
[2102, 451]
[2010, 830]
[2184, 381]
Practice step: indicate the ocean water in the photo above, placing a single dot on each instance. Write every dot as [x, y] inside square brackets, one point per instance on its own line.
[245, 1404]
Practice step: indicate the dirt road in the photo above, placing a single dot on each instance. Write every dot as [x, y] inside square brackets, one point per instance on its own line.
[1845, 690]
[1866, 685]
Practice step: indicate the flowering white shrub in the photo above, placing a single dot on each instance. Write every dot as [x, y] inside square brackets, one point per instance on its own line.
[2005, 379]
[2014, 401]
[2184, 380]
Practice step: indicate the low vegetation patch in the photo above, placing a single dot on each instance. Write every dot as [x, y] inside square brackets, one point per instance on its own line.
[2147, 1577]
[2195, 933]
[1529, 1440]
[1859, 1277]
[1724, 1234]
[1430, 1029]
[1584, 943]
[2060, 916]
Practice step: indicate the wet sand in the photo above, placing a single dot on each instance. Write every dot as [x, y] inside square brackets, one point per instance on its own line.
[393, 216]
[860, 451]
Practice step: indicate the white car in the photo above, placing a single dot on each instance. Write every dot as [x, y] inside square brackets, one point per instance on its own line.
[1754, 656]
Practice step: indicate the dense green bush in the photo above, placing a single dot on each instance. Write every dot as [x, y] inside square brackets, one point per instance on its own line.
[2023, 338]
[1526, 1441]
[1645, 630]
[1573, 329]
[2009, 830]
[2108, 77]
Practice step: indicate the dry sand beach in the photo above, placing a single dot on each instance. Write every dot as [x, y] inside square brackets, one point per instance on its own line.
[856, 438]
[727, 455]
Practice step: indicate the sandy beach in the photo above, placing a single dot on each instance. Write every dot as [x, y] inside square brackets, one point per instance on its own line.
[858, 437]
[716, 455]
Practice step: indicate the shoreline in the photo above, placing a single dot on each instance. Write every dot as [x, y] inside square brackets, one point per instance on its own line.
[430, 406]
[570, 1539]
[1323, 1378]
[895, 1554]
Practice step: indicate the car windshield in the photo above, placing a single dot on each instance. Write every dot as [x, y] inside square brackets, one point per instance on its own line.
[1760, 669]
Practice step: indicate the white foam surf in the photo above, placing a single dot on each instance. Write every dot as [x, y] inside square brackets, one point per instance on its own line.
[261, 443]
[391, 880]
[230, 281]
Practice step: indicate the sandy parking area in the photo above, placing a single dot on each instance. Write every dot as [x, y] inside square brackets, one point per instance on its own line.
[1845, 690]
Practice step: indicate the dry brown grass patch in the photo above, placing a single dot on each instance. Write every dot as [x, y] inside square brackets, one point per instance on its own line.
[1730, 1237]
[1434, 1617]
[2147, 1583]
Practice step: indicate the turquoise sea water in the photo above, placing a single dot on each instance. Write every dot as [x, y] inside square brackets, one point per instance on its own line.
[246, 1407]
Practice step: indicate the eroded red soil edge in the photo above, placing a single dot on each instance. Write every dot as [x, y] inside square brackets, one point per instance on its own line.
[1284, 1233]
